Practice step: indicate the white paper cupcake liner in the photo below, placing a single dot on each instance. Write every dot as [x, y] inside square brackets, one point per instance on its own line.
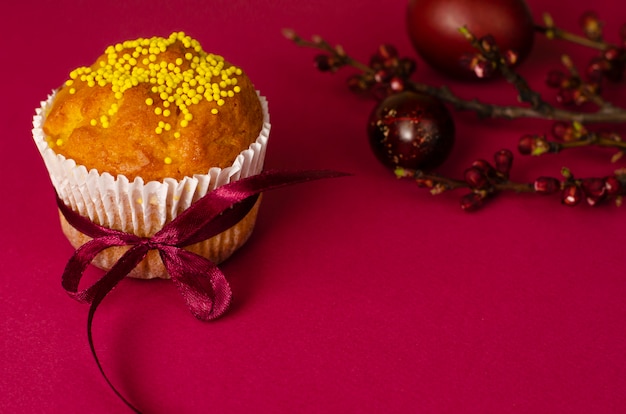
[143, 208]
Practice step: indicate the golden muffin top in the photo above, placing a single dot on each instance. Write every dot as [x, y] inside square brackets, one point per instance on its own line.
[154, 108]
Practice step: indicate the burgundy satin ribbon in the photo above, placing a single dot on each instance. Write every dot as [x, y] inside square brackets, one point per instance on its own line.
[217, 211]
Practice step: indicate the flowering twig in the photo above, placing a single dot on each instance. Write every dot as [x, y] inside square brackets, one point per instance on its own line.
[591, 26]
[484, 181]
[336, 57]
[387, 74]
[574, 135]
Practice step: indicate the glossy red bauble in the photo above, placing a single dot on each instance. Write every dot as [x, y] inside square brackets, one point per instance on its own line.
[433, 28]
[411, 130]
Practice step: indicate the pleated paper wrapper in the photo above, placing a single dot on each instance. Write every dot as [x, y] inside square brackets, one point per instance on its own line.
[143, 208]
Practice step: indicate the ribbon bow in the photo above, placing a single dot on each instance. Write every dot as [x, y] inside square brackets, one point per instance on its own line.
[214, 213]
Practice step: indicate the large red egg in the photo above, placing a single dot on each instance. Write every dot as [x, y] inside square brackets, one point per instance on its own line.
[433, 27]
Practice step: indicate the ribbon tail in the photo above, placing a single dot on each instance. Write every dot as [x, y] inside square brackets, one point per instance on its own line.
[118, 272]
[92, 311]
[203, 286]
[209, 215]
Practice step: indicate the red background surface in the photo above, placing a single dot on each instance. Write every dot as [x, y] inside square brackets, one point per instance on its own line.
[361, 294]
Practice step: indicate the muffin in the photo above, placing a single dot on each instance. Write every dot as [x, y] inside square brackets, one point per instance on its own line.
[150, 127]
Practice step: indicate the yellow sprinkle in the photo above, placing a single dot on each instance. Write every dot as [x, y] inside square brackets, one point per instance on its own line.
[139, 201]
[167, 160]
[139, 62]
[176, 134]
[158, 130]
[59, 142]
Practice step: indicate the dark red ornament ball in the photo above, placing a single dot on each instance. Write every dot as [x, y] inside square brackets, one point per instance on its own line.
[411, 130]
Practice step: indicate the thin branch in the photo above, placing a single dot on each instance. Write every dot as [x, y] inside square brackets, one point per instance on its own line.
[550, 31]
[539, 110]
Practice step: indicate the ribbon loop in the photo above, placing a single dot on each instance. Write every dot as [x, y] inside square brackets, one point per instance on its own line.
[188, 270]
[76, 266]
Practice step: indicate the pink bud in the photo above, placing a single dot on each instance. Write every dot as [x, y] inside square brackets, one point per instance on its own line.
[471, 201]
[510, 57]
[475, 178]
[571, 195]
[547, 185]
[503, 160]
[612, 185]
[594, 189]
